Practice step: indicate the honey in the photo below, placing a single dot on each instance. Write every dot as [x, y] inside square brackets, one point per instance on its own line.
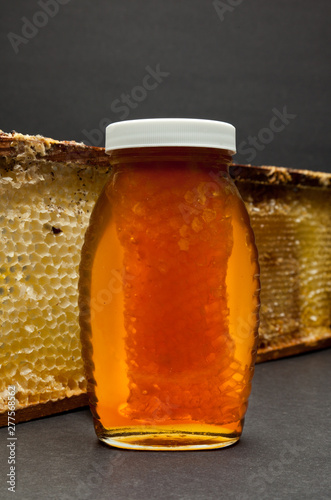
[169, 301]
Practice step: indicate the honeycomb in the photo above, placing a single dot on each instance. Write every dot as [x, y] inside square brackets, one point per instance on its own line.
[44, 210]
[181, 351]
[292, 232]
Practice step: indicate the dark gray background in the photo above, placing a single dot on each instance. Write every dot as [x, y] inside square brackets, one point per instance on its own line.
[69, 73]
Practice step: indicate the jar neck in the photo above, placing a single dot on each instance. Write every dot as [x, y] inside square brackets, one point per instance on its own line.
[217, 158]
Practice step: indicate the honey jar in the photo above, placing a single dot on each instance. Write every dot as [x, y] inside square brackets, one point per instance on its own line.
[169, 290]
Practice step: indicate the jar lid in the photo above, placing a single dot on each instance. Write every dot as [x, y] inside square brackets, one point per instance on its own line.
[156, 132]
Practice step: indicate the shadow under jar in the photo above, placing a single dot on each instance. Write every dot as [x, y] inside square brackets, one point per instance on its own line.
[169, 290]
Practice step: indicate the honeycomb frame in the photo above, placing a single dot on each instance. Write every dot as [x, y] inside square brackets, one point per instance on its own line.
[291, 217]
[47, 192]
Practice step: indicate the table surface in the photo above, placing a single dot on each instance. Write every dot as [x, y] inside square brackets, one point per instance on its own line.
[284, 451]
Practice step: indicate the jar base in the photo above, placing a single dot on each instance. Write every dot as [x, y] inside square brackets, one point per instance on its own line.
[169, 441]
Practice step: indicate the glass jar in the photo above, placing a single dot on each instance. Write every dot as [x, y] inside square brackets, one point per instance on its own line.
[169, 290]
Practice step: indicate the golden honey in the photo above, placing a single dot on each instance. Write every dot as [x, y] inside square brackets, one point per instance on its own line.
[169, 301]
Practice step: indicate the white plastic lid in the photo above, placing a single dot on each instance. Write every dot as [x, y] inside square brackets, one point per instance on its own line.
[156, 132]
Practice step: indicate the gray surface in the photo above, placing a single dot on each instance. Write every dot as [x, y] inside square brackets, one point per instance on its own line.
[262, 55]
[284, 452]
